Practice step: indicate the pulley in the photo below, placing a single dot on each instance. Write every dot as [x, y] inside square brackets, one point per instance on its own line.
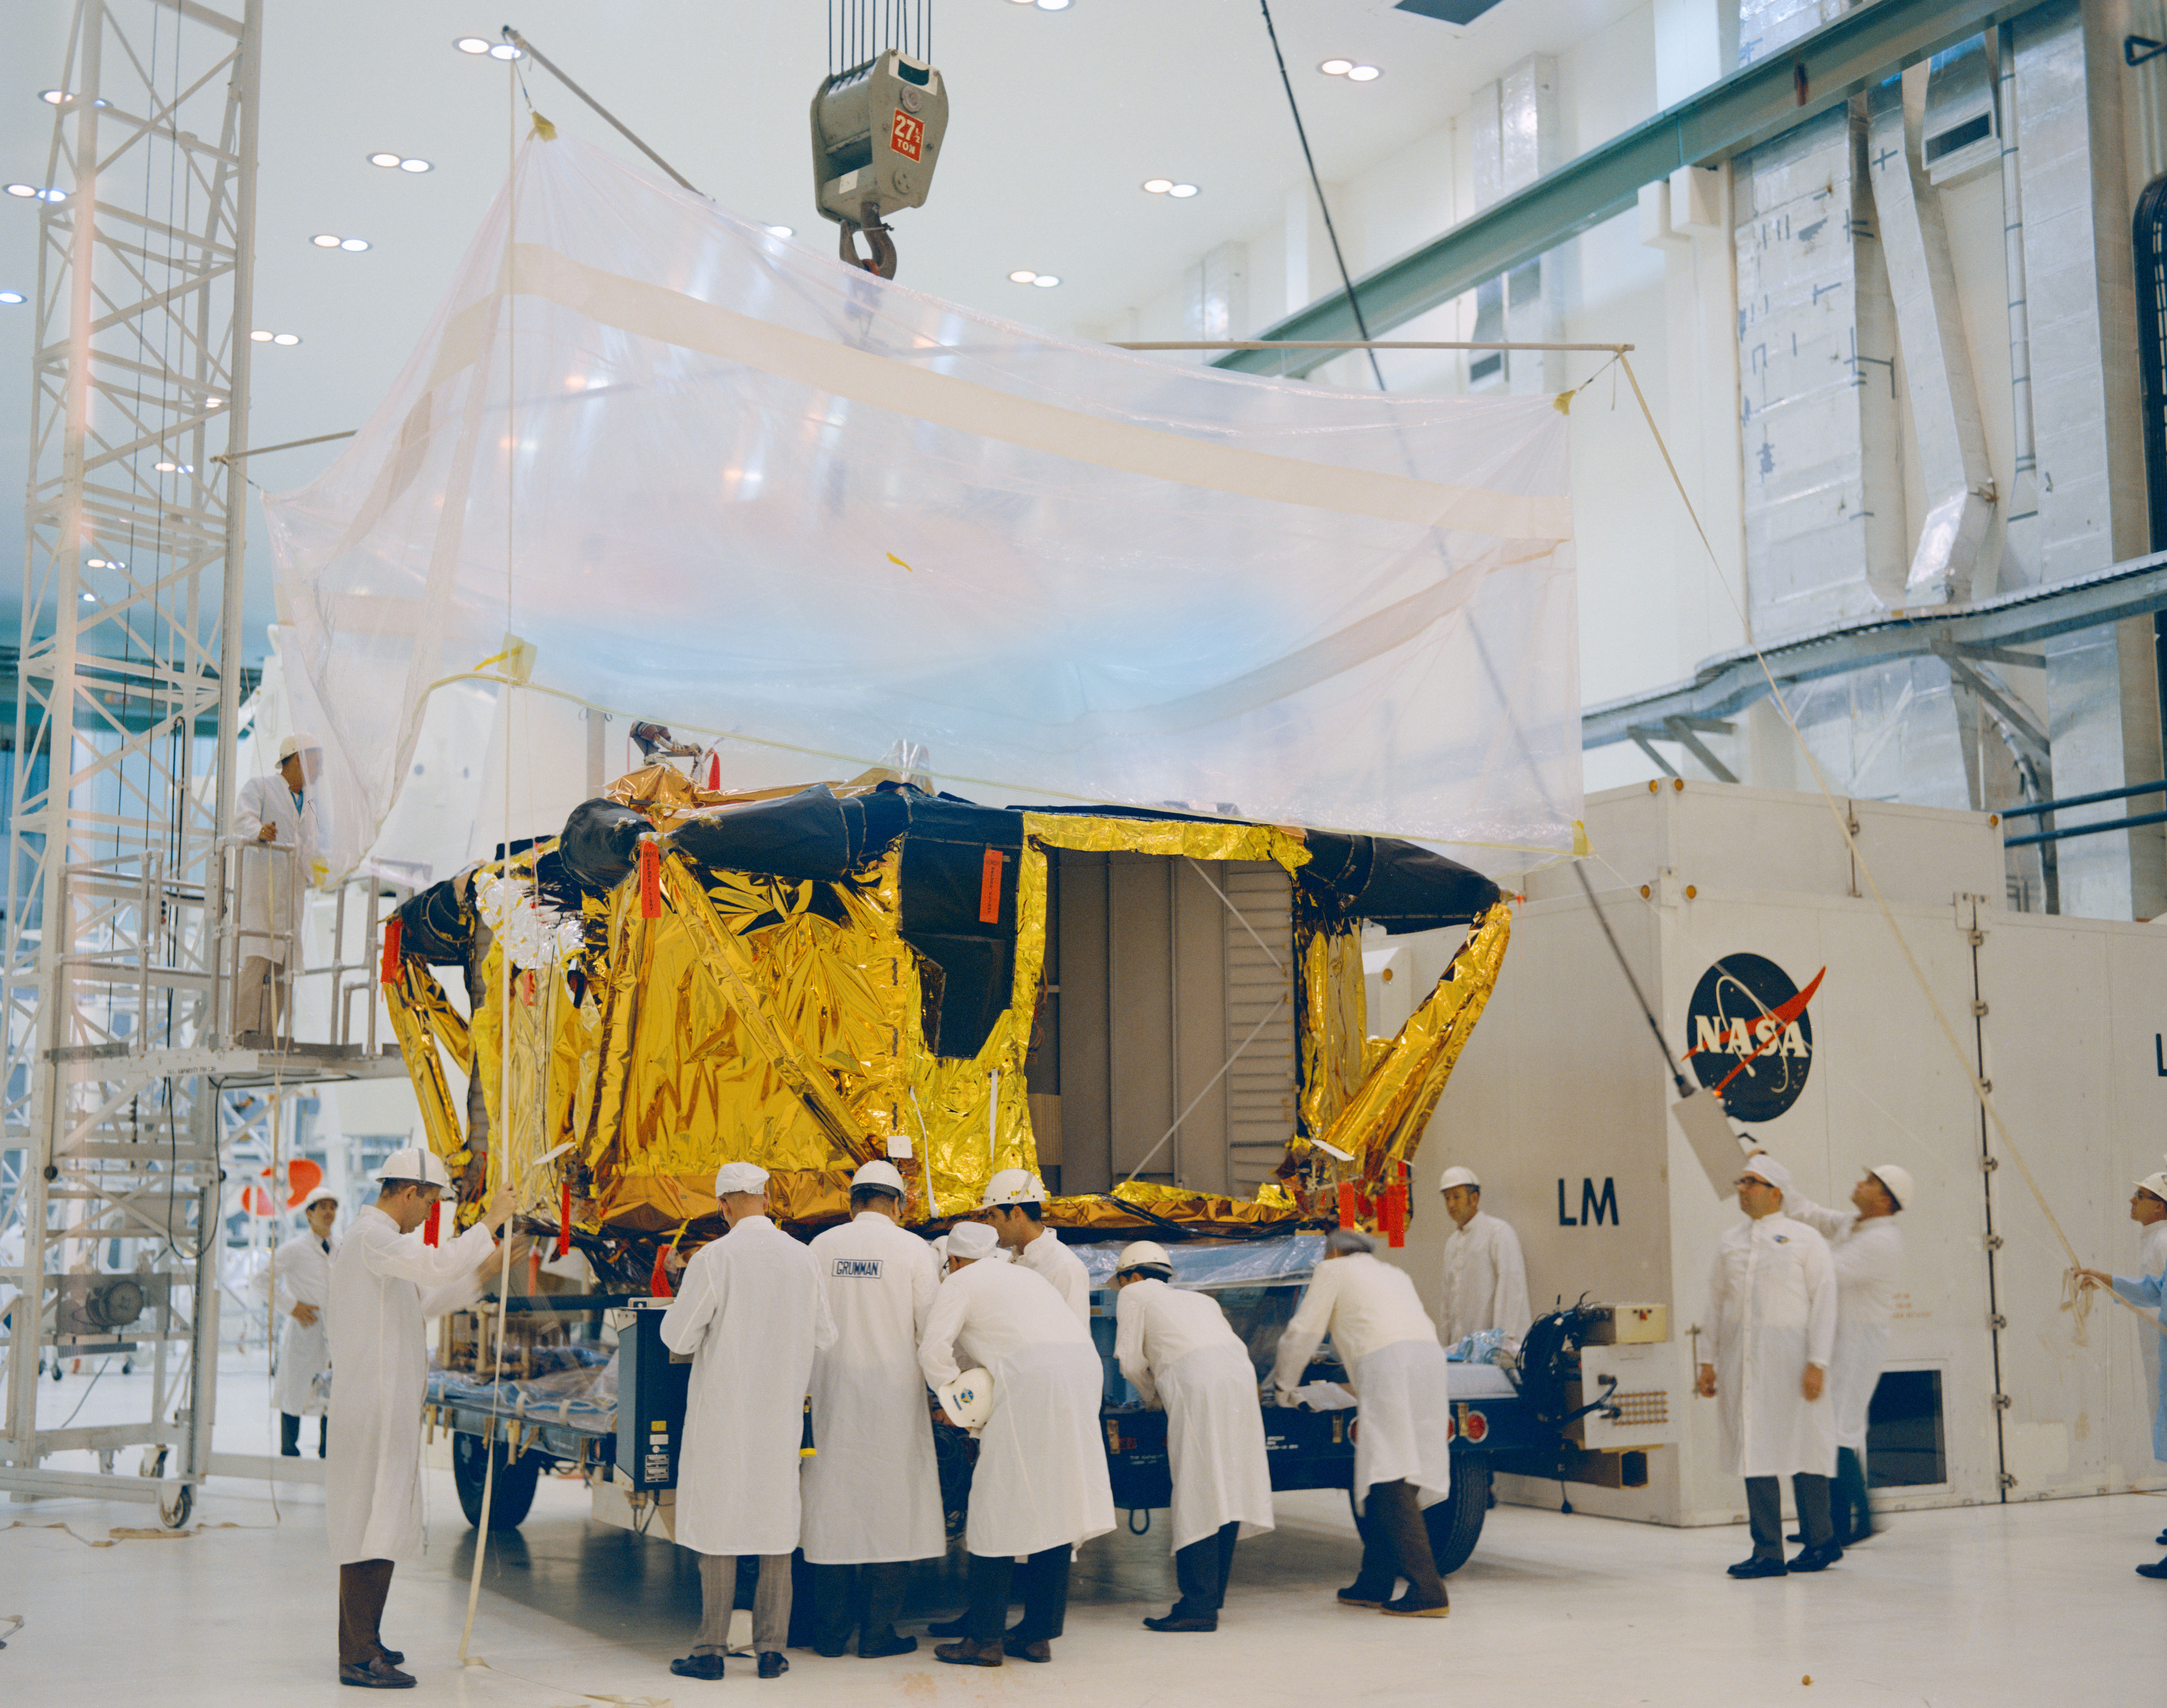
[877, 131]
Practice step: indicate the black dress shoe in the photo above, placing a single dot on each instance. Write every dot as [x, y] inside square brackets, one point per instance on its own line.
[874, 1648]
[378, 1674]
[773, 1663]
[2154, 1571]
[2160, 1540]
[1407, 1607]
[969, 1652]
[1817, 1559]
[1026, 1648]
[1361, 1595]
[831, 1651]
[1178, 1621]
[709, 1667]
[960, 1626]
[1759, 1568]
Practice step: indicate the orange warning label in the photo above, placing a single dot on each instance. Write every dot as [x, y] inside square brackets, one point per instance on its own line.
[907, 135]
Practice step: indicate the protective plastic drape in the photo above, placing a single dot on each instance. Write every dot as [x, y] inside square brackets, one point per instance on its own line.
[743, 488]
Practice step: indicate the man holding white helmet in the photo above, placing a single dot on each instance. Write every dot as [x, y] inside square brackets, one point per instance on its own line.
[275, 809]
[385, 1284]
[1015, 1206]
[1176, 1349]
[300, 1272]
[1041, 1484]
[1867, 1250]
[751, 1311]
[873, 1491]
[1772, 1312]
[1486, 1278]
[1403, 1441]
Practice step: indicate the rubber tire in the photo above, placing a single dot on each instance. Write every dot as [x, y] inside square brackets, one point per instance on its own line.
[173, 1513]
[1455, 1523]
[516, 1481]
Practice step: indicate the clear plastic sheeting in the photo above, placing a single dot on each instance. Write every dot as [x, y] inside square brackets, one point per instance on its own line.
[1276, 1259]
[714, 478]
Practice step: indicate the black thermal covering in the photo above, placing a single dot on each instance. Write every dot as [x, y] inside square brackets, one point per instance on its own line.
[600, 844]
[1395, 884]
[809, 834]
[435, 925]
[945, 893]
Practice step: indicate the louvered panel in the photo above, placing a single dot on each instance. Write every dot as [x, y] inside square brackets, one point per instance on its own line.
[1260, 1085]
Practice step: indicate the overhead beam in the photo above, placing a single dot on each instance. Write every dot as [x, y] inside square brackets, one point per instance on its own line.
[1762, 100]
[1728, 683]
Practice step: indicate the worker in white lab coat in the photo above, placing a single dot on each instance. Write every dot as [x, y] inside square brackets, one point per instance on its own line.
[1772, 1312]
[301, 1272]
[385, 1284]
[1176, 1349]
[1402, 1441]
[1015, 1206]
[751, 1312]
[2147, 1209]
[1041, 1484]
[872, 1489]
[1486, 1278]
[275, 809]
[1867, 1248]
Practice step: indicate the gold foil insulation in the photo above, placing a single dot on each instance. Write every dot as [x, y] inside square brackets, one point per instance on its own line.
[780, 1023]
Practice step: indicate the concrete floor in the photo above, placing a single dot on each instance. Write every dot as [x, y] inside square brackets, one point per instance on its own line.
[2019, 1604]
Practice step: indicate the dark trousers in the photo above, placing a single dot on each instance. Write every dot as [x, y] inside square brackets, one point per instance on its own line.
[1764, 1512]
[1849, 1510]
[290, 1435]
[1396, 1545]
[363, 1586]
[1045, 1586]
[1201, 1570]
[867, 1599]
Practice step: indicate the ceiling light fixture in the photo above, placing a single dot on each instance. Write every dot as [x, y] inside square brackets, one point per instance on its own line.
[411, 164]
[1363, 74]
[1023, 275]
[11, 296]
[1053, 5]
[472, 44]
[1046, 281]
[165, 468]
[286, 339]
[214, 403]
[53, 96]
[781, 232]
[22, 189]
[1181, 192]
[89, 597]
[384, 160]
[323, 240]
[353, 246]
[505, 49]
[1337, 68]
[261, 338]
[1158, 186]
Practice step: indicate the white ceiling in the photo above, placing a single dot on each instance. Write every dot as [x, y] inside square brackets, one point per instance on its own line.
[1055, 120]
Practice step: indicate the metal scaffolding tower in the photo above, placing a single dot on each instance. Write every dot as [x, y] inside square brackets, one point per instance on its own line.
[125, 728]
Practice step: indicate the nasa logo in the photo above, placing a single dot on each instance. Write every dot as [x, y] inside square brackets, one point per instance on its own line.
[1752, 1041]
[857, 1269]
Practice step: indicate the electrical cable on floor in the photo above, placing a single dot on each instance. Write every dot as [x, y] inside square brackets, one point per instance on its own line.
[1317, 183]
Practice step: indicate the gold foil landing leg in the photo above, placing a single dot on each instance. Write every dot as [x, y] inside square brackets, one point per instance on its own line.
[409, 997]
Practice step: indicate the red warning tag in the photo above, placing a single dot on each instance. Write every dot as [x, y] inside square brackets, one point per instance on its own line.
[906, 136]
[989, 888]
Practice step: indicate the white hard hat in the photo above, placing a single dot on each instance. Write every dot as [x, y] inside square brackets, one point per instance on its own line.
[1459, 1177]
[882, 1175]
[1765, 1167]
[1896, 1181]
[969, 1399]
[1142, 1254]
[971, 1240]
[2155, 1184]
[317, 1197]
[1014, 1186]
[739, 1177]
[415, 1162]
[296, 744]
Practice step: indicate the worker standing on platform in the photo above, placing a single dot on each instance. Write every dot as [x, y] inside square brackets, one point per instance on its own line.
[1402, 1441]
[385, 1284]
[1176, 1349]
[1041, 1485]
[751, 1311]
[873, 1491]
[1867, 1250]
[1486, 1279]
[1015, 1206]
[1772, 1312]
[277, 810]
[300, 1272]
[2147, 1209]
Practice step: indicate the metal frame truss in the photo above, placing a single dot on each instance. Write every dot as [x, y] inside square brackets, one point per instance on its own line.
[131, 632]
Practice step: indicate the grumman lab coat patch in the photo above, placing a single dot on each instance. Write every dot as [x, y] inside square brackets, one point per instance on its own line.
[856, 1268]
